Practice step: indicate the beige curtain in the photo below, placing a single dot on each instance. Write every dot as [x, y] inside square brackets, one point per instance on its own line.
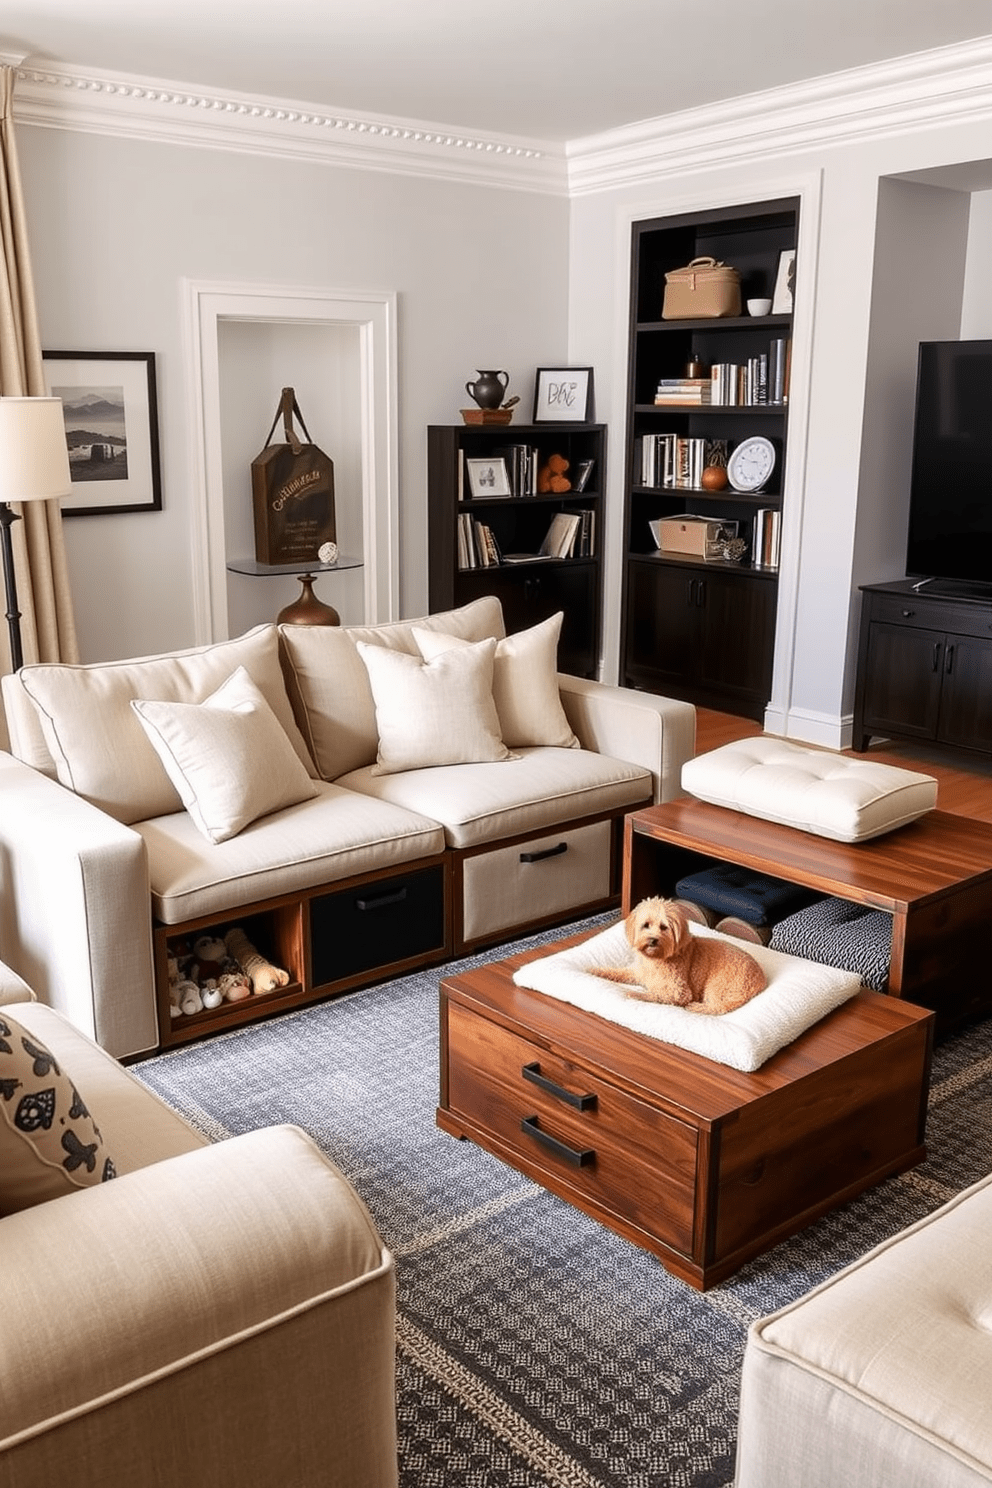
[48, 630]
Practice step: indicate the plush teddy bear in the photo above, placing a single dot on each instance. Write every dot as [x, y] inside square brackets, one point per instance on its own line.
[552, 478]
[209, 955]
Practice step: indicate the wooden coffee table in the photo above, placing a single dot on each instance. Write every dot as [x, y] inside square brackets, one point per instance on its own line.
[933, 877]
[700, 1164]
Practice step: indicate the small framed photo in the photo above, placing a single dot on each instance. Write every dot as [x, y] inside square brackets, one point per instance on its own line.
[111, 427]
[785, 283]
[563, 395]
[487, 478]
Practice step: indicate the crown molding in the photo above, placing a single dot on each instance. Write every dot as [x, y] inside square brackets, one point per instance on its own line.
[65, 97]
[945, 86]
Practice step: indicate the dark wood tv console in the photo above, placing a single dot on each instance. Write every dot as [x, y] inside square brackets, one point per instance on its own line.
[924, 667]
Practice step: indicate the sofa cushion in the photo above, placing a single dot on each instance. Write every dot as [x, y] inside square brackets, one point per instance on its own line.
[50, 1143]
[99, 746]
[438, 712]
[228, 757]
[329, 685]
[831, 795]
[525, 683]
[335, 835]
[537, 789]
[137, 1127]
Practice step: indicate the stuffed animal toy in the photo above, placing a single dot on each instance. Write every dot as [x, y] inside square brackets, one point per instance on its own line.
[263, 976]
[671, 965]
[188, 996]
[209, 954]
[552, 478]
[234, 986]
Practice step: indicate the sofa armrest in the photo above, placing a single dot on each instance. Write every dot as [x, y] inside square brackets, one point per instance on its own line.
[658, 733]
[229, 1312]
[75, 909]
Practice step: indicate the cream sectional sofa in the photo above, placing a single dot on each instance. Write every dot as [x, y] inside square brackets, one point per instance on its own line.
[334, 839]
[181, 1323]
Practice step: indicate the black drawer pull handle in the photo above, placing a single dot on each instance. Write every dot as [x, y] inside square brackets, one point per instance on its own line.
[382, 900]
[549, 852]
[532, 1072]
[579, 1158]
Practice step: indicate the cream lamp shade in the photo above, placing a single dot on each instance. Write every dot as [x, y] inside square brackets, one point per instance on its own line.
[34, 457]
[34, 466]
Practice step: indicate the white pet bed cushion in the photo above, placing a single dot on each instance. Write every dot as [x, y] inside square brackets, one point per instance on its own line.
[832, 795]
[799, 994]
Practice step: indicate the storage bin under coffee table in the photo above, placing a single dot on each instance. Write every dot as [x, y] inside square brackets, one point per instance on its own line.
[701, 1164]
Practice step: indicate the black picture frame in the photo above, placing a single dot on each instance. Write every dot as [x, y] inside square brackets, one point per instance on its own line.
[110, 406]
[563, 395]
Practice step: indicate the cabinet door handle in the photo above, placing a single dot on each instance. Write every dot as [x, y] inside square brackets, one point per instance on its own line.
[532, 1072]
[949, 662]
[690, 593]
[701, 594]
[936, 656]
[579, 1157]
[382, 900]
[547, 852]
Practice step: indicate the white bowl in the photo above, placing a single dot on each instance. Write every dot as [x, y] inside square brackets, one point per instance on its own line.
[758, 307]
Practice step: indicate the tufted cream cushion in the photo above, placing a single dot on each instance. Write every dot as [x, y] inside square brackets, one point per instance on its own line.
[881, 1374]
[438, 712]
[228, 757]
[98, 745]
[832, 795]
[525, 683]
[329, 685]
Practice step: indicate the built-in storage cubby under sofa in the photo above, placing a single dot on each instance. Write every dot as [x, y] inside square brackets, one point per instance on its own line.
[357, 801]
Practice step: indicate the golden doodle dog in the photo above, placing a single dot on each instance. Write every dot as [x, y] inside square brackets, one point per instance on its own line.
[672, 965]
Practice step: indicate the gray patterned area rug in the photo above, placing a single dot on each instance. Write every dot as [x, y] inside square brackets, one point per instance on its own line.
[535, 1347]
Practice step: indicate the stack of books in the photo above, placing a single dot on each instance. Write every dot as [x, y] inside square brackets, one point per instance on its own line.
[677, 461]
[682, 392]
[569, 536]
[477, 546]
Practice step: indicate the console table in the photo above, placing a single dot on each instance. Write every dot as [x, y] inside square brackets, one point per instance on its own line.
[924, 667]
[307, 609]
[934, 877]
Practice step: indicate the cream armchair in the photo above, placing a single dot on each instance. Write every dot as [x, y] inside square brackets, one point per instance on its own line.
[219, 1314]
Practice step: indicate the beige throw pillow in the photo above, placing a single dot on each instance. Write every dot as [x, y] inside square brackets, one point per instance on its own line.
[525, 683]
[228, 757]
[437, 712]
[49, 1143]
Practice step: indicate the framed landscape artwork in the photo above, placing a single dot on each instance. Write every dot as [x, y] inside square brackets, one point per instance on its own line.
[111, 426]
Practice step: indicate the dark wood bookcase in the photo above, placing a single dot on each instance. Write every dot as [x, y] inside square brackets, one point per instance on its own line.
[703, 629]
[529, 591]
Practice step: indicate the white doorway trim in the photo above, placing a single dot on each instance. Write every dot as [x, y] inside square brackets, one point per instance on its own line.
[374, 314]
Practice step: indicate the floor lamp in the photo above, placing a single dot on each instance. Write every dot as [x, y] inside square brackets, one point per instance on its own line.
[34, 466]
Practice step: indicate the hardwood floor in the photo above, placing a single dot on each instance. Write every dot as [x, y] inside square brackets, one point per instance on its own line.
[964, 783]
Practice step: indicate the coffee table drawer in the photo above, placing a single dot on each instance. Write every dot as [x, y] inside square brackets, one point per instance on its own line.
[621, 1153]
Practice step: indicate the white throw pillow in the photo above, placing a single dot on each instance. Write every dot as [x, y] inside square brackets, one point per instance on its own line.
[228, 757]
[525, 683]
[438, 712]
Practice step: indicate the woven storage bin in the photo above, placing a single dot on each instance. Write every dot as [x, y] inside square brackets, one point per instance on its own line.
[835, 932]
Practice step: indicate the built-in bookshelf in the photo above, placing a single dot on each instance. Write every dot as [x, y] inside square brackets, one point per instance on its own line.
[703, 395]
[516, 511]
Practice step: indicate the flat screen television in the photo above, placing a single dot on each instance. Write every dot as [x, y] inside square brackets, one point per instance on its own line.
[950, 506]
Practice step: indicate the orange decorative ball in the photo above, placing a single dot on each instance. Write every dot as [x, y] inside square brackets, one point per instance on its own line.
[713, 478]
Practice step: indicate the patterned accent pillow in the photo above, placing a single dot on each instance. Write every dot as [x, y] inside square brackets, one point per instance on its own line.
[49, 1142]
